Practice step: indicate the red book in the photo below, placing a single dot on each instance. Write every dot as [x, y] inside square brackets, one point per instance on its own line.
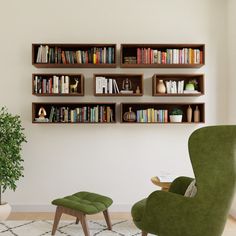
[138, 56]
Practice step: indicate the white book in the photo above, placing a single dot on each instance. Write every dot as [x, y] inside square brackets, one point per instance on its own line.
[66, 84]
[55, 84]
[104, 84]
[46, 53]
[62, 82]
[179, 87]
[168, 83]
[173, 88]
[166, 177]
[110, 86]
[39, 55]
[99, 84]
[117, 88]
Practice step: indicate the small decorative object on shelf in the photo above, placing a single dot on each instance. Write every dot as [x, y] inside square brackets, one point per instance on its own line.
[161, 88]
[126, 86]
[189, 114]
[176, 115]
[42, 113]
[73, 87]
[130, 60]
[137, 90]
[196, 115]
[191, 85]
[129, 116]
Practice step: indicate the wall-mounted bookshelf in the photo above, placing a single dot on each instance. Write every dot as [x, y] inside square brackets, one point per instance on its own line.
[58, 84]
[46, 55]
[73, 113]
[158, 113]
[162, 55]
[118, 84]
[175, 84]
[60, 55]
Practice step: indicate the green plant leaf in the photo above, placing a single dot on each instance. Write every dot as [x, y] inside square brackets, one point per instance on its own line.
[11, 139]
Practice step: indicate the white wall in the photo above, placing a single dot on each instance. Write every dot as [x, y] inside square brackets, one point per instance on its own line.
[231, 72]
[117, 160]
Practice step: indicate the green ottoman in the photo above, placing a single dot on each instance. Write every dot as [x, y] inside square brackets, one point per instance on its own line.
[79, 205]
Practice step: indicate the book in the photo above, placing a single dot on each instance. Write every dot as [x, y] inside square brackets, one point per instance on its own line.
[110, 83]
[166, 177]
[99, 84]
[51, 114]
[116, 88]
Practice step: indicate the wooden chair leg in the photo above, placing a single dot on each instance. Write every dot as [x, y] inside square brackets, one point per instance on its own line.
[107, 218]
[84, 225]
[144, 233]
[56, 219]
[77, 220]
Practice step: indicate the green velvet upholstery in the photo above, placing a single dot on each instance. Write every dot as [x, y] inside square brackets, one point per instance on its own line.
[86, 202]
[213, 156]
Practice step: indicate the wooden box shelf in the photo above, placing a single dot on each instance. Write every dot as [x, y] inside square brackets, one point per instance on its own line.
[58, 84]
[118, 84]
[73, 113]
[74, 55]
[162, 55]
[180, 80]
[147, 115]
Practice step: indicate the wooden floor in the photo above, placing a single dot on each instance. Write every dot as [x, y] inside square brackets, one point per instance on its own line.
[230, 228]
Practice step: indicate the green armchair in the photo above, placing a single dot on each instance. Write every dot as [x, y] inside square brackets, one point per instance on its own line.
[213, 156]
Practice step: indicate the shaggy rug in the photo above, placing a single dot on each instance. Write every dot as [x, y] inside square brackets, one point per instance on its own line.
[66, 228]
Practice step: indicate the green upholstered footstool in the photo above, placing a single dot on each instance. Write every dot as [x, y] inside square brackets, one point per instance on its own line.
[79, 205]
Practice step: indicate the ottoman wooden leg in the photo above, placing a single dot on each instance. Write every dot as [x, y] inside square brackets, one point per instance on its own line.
[77, 220]
[84, 225]
[56, 219]
[144, 233]
[107, 218]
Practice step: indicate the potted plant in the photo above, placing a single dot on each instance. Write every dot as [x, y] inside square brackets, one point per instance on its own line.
[11, 169]
[191, 85]
[176, 115]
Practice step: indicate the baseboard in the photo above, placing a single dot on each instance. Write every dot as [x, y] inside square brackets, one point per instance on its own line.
[233, 213]
[51, 208]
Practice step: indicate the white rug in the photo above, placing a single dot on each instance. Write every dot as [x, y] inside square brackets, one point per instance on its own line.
[67, 228]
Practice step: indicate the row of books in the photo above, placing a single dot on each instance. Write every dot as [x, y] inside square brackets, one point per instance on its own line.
[174, 86]
[106, 85]
[57, 55]
[54, 84]
[85, 114]
[169, 56]
[151, 115]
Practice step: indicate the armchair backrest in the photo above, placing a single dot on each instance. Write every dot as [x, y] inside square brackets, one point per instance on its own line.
[213, 155]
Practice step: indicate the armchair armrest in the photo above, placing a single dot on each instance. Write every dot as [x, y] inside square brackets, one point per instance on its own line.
[180, 185]
[162, 207]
